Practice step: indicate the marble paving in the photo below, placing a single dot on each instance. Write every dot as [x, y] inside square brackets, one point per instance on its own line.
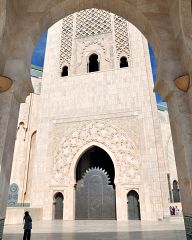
[100, 230]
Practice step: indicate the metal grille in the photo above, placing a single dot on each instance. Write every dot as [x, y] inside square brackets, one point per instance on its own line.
[95, 197]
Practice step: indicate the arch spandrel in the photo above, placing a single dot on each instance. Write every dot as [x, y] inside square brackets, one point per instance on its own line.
[122, 150]
[41, 18]
[151, 18]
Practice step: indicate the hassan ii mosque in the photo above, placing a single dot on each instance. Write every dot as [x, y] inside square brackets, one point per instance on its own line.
[91, 142]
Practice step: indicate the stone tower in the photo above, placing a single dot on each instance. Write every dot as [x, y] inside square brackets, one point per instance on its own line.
[96, 109]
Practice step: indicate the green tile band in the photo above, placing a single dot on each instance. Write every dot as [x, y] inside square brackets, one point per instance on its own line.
[2, 220]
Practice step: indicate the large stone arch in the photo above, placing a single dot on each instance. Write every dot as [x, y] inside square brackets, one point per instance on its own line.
[86, 147]
[45, 14]
[185, 13]
[120, 147]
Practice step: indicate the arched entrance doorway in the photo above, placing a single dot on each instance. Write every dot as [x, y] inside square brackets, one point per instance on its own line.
[133, 205]
[58, 206]
[95, 188]
[175, 190]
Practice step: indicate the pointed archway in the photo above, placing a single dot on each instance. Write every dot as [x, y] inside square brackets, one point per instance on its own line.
[58, 206]
[95, 188]
[133, 205]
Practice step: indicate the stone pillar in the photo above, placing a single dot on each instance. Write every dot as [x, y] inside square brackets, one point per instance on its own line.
[69, 203]
[180, 114]
[120, 202]
[9, 112]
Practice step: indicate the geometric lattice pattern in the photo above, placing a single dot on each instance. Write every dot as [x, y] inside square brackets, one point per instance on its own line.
[121, 36]
[92, 22]
[66, 41]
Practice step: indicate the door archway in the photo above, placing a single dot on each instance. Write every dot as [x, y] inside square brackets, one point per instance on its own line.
[95, 188]
[58, 206]
[133, 205]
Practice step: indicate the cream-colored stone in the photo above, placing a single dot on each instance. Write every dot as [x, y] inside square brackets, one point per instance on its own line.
[108, 109]
[166, 24]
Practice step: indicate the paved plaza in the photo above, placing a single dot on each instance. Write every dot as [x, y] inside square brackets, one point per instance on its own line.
[100, 230]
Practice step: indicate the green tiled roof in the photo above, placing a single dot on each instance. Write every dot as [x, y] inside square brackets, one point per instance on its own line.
[162, 106]
[36, 71]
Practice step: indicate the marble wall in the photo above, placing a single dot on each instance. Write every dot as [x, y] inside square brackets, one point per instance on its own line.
[114, 109]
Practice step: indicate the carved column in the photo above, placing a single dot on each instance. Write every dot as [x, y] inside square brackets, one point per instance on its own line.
[9, 111]
[181, 124]
[180, 114]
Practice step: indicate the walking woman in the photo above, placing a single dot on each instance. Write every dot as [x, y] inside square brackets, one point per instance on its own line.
[27, 226]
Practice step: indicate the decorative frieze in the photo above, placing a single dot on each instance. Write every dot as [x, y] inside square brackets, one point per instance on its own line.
[115, 140]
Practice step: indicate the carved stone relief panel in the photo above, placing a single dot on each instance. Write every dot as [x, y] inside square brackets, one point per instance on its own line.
[13, 195]
[100, 45]
[123, 148]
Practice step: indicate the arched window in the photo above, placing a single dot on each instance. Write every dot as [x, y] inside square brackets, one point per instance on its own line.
[21, 131]
[123, 62]
[176, 195]
[58, 202]
[64, 71]
[133, 205]
[93, 65]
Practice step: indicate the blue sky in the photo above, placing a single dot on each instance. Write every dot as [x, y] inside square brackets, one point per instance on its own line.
[39, 54]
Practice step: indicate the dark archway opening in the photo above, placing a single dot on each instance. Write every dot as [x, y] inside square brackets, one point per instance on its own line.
[133, 205]
[95, 188]
[64, 71]
[93, 65]
[95, 157]
[176, 194]
[58, 205]
[123, 62]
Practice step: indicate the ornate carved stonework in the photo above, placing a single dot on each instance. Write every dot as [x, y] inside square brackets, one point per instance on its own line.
[91, 22]
[96, 44]
[13, 195]
[121, 37]
[66, 41]
[114, 139]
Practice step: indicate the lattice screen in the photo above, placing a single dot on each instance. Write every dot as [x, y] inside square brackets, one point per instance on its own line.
[92, 22]
[121, 36]
[66, 41]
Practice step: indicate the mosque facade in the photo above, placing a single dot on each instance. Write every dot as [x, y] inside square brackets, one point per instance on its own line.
[91, 142]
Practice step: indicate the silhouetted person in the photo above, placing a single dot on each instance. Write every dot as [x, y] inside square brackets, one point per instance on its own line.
[173, 209]
[27, 226]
